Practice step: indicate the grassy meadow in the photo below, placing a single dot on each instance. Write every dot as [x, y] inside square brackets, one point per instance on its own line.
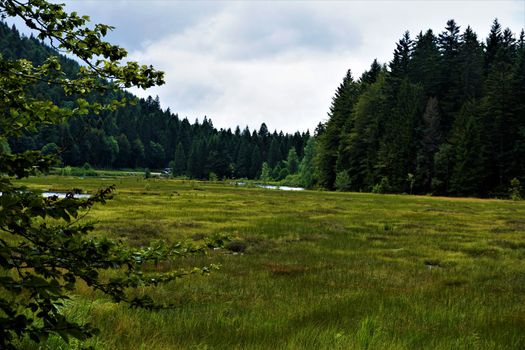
[313, 270]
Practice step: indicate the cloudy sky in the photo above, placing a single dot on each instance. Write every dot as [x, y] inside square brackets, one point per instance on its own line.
[278, 62]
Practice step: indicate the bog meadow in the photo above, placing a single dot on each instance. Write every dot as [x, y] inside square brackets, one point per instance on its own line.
[396, 222]
[312, 269]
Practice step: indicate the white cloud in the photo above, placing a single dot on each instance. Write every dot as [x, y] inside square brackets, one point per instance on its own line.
[276, 62]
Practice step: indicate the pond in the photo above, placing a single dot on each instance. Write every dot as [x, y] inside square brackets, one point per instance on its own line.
[272, 187]
[63, 195]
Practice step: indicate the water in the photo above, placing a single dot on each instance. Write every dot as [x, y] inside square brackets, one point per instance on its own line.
[282, 188]
[63, 195]
[272, 187]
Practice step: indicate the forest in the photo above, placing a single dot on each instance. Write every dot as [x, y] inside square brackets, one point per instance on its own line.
[143, 135]
[119, 260]
[446, 116]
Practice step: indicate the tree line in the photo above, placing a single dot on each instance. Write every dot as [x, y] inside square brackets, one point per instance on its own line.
[142, 134]
[446, 116]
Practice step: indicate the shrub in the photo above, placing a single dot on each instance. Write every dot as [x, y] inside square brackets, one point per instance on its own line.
[236, 246]
[382, 187]
[342, 181]
[515, 189]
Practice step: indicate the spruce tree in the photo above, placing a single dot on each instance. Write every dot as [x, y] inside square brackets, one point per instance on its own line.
[430, 139]
[400, 64]
[340, 112]
[370, 114]
[493, 44]
[307, 171]
[274, 153]
[425, 63]
[370, 76]
[468, 171]
[449, 43]
[179, 161]
[397, 153]
[255, 163]
[470, 64]
[292, 161]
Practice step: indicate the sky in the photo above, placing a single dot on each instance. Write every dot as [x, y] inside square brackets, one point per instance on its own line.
[278, 62]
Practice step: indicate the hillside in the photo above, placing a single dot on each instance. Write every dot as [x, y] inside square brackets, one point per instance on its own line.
[145, 135]
[445, 116]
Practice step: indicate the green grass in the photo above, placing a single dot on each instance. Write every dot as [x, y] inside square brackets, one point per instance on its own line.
[316, 270]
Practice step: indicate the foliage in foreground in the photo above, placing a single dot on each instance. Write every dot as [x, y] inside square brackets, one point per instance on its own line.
[44, 249]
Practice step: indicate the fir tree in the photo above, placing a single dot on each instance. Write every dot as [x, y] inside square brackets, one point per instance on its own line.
[468, 171]
[430, 140]
[340, 112]
[179, 161]
[292, 161]
[307, 172]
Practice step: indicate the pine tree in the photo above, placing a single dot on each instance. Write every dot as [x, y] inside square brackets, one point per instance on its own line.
[370, 114]
[425, 64]
[397, 153]
[370, 76]
[137, 148]
[449, 43]
[255, 163]
[274, 153]
[307, 169]
[155, 155]
[124, 154]
[400, 64]
[468, 171]
[430, 140]
[340, 112]
[292, 161]
[179, 161]
[470, 64]
[517, 166]
[195, 166]
[243, 163]
[493, 44]
[500, 124]
[265, 173]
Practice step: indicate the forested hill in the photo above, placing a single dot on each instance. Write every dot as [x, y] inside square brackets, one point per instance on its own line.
[144, 135]
[445, 116]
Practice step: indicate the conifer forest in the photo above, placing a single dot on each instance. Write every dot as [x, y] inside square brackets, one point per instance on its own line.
[445, 116]
[393, 219]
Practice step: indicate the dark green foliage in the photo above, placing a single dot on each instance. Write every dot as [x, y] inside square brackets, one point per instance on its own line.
[141, 134]
[430, 139]
[467, 173]
[397, 152]
[447, 117]
[179, 161]
[329, 141]
[425, 66]
[400, 65]
[292, 161]
[342, 181]
[307, 172]
[44, 248]
[515, 189]
[255, 163]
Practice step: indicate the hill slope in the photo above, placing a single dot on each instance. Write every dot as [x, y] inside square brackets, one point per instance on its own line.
[144, 135]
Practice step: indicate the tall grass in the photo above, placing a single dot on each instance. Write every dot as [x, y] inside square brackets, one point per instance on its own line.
[316, 270]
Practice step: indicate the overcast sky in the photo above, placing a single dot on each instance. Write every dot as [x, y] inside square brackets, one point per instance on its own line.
[248, 62]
